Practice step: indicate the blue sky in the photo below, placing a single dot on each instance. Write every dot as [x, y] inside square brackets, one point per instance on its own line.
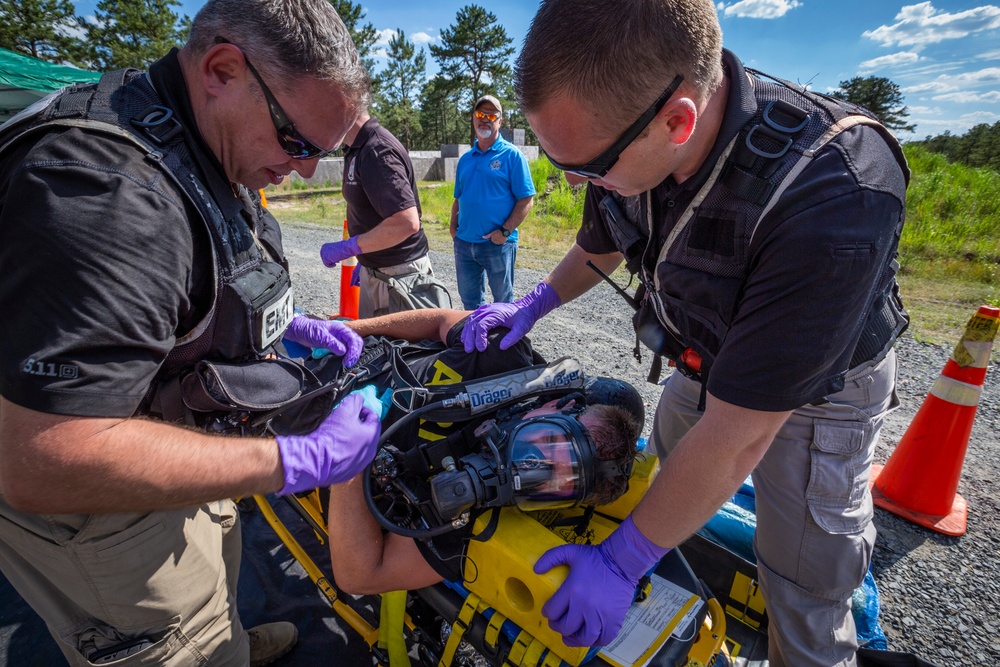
[944, 55]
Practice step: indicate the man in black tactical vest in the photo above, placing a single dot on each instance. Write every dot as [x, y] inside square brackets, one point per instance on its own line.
[762, 221]
[134, 248]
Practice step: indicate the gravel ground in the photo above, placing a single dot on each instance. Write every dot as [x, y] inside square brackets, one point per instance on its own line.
[939, 593]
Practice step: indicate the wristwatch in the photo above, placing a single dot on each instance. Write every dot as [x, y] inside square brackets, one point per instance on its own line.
[504, 231]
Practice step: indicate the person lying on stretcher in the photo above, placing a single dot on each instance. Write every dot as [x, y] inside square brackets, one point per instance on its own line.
[559, 451]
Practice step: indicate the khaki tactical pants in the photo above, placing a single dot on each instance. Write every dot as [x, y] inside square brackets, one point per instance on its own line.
[100, 580]
[814, 536]
[374, 298]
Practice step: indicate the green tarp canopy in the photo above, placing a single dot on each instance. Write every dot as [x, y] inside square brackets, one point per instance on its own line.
[24, 79]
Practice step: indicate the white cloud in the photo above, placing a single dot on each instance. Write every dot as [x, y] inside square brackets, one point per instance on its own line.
[758, 9]
[969, 97]
[937, 86]
[384, 36]
[956, 83]
[922, 24]
[925, 110]
[977, 117]
[887, 62]
[989, 55]
[422, 38]
[989, 76]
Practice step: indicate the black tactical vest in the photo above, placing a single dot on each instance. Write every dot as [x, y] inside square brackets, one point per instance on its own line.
[714, 237]
[252, 300]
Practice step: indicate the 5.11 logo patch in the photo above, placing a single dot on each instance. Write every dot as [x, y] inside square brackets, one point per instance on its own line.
[48, 369]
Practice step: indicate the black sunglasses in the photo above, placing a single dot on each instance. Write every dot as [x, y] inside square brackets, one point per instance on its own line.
[602, 164]
[293, 143]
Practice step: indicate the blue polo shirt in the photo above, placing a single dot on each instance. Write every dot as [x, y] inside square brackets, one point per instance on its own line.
[487, 184]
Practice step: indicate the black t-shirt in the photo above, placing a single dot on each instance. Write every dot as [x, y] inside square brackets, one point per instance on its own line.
[450, 366]
[809, 285]
[104, 263]
[378, 183]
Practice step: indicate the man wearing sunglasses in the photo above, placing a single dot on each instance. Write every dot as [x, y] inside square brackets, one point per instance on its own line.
[763, 224]
[493, 194]
[135, 249]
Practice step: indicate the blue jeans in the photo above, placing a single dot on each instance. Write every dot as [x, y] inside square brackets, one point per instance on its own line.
[477, 262]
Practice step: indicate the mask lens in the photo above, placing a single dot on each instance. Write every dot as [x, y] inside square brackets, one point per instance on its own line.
[546, 467]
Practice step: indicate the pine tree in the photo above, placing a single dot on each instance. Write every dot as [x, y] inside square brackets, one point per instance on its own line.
[38, 28]
[880, 96]
[399, 84]
[130, 33]
[364, 35]
[474, 55]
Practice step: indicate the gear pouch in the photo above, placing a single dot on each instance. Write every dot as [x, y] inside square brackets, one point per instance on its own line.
[259, 305]
[276, 395]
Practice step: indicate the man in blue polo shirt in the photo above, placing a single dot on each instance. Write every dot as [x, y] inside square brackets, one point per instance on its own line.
[493, 194]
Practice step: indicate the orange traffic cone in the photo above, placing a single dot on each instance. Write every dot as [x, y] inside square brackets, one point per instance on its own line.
[920, 480]
[349, 295]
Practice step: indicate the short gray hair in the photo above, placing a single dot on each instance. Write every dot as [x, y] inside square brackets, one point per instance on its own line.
[286, 39]
[625, 52]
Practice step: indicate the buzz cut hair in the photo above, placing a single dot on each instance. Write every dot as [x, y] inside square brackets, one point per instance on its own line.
[615, 58]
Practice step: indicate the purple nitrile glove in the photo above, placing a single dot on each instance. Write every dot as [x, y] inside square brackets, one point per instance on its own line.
[328, 334]
[519, 316]
[335, 452]
[590, 606]
[356, 276]
[338, 251]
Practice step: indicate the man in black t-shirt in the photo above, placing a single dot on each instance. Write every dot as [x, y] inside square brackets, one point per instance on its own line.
[133, 246]
[763, 222]
[383, 214]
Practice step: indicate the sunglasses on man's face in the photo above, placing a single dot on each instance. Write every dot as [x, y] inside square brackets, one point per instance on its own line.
[488, 116]
[293, 143]
[602, 164]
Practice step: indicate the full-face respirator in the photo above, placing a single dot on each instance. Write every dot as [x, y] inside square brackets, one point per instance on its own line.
[512, 457]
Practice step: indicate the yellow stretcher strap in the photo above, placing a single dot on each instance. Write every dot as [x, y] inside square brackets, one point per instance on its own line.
[492, 634]
[533, 655]
[391, 637]
[458, 628]
[551, 660]
[517, 651]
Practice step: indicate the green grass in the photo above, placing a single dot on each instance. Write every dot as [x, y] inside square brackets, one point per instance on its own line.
[949, 250]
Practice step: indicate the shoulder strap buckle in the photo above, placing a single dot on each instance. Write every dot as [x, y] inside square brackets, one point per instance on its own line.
[159, 124]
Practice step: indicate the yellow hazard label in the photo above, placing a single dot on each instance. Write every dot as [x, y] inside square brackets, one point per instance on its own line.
[962, 356]
[981, 328]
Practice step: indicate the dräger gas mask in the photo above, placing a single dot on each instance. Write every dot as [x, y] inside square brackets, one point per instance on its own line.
[501, 457]
[542, 462]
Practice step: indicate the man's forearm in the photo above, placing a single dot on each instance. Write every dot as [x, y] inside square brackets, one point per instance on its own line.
[411, 325]
[390, 232]
[453, 223]
[364, 559]
[704, 470]
[520, 211]
[572, 277]
[54, 465]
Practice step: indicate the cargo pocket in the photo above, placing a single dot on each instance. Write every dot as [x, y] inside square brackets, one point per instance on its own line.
[840, 462]
[171, 648]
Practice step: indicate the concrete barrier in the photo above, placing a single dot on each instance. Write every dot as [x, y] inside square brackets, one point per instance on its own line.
[427, 165]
